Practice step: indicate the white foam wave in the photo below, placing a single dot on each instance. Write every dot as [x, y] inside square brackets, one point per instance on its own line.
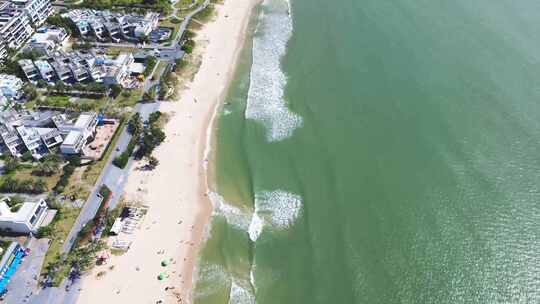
[233, 215]
[267, 81]
[281, 208]
[212, 277]
[277, 208]
[255, 227]
[240, 294]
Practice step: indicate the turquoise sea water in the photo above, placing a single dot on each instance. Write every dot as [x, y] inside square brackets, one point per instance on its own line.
[380, 152]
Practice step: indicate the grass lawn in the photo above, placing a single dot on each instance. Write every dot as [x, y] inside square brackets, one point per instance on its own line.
[75, 103]
[24, 172]
[128, 98]
[62, 226]
[115, 50]
[160, 67]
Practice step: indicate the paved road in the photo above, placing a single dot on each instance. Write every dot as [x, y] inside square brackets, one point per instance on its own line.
[111, 176]
[173, 50]
[24, 282]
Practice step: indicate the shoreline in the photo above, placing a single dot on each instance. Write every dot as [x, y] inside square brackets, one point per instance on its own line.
[187, 153]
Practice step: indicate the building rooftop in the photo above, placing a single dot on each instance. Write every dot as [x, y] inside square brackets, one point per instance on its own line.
[21, 215]
[72, 138]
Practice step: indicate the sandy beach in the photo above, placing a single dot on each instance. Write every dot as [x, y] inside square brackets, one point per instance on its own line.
[175, 192]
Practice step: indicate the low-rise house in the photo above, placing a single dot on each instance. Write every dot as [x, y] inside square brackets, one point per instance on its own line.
[38, 132]
[10, 86]
[118, 70]
[104, 23]
[73, 143]
[47, 39]
[79, 133]
[45, 69]
[27, 219]
[33, 141]
[30, 70]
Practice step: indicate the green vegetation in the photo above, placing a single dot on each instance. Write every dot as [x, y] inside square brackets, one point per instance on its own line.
[134, 128]
[128, 98]
[114, 50]
[188, 46]
[65, 23]
[15, 185]
[162, 6]
[15, 203]
[68, 170]
[151, 94]
[151, 62]
[152, 136]
[48, 165]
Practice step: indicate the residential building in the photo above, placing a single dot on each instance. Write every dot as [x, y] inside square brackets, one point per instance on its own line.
[36, 10]
[30, 70]
[73, 143]
[37, 132]
[15, 26]
[47, 39]
[116, 26]
[118, 70]
[10, 86]
[78, 133]
[46, 71]
[27, 219]
[32, 141]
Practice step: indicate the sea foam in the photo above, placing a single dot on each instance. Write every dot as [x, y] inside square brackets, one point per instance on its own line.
[278, 208]
[265, 101]
[240, 294]
[234, 216]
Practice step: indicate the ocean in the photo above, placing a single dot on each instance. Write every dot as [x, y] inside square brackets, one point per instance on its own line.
[379, 152]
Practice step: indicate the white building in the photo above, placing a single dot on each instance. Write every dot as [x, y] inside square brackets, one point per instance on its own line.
[47, 39]
[79, 133]
[118, 70]
[28, 218]
[36, 10]
[10, 86]
[15, 26]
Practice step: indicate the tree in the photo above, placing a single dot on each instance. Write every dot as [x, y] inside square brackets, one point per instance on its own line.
[47, 167]
[154, 117]
[60, 86]
[27, 156]
[29, 92]
[152, 162]
[41, 83]
[135, 124]
[116, 90]
[11, 163]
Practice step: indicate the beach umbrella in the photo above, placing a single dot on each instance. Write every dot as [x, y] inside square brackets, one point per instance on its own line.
[164, 263]
[162, 276]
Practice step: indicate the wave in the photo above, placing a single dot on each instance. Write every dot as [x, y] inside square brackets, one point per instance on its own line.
[278, 208]
[265, 101]
[234, 216]
[241, 294]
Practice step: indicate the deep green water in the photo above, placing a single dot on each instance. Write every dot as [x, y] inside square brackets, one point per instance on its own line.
[401, 164]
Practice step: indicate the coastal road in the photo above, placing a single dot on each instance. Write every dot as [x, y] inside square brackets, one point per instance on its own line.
[111, 176]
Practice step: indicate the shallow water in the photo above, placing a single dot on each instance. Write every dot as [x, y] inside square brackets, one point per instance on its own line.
[380, 152]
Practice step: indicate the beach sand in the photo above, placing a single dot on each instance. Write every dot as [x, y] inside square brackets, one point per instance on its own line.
[175, 191]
